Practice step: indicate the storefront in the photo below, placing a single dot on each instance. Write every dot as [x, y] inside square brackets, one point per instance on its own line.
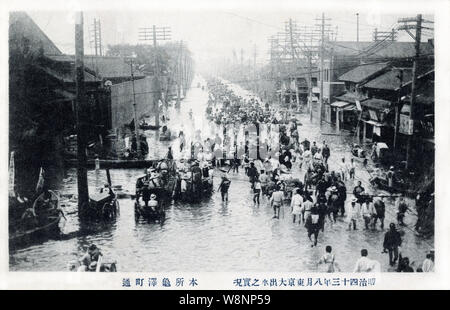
[377, 120]
[344, 115]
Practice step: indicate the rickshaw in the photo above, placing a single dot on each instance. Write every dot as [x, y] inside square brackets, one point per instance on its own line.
[103, 205]
[157, 214]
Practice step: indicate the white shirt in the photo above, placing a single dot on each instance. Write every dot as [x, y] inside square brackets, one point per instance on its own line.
[428, 265]
[363, 264]
[297, 200]
[353, 212]
[307, 155]
[367, 209]
[257, 185]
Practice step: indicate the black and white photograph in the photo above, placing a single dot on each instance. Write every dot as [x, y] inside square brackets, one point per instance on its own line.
[295, 139]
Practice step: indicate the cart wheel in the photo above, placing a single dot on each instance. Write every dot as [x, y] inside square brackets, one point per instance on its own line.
[107, 213]
[116, 207]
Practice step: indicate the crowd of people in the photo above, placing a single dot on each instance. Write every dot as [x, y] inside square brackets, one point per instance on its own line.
[322, 195]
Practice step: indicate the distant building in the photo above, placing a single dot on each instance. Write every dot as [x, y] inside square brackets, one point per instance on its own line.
[343, 56]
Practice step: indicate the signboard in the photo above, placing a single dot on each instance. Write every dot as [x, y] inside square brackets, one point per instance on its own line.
[373, 115]
[406, 125]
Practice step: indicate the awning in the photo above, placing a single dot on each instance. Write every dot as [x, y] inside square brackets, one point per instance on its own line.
[348, 97]
[340, 104]
[372, 122]
[377, 104]
[344, 106]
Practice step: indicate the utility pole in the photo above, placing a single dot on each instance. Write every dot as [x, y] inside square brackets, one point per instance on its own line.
[97, 37]
[100, 37]
[400, 77]
[82, 182]
[384, 35]
[310, 92]
[254, 70]
[185, 74]
[417, 38]
[179, 73]
[294, 59]
[322, 32]
[357, 27]
[242, 61]
[322, 55]
[154, 34]
[136, 124]
[157, 72]
[413, 86]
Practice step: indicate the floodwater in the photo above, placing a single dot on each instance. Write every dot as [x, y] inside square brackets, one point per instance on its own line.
[211, 235]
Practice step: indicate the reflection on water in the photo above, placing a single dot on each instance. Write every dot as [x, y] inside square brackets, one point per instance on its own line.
[209, 235]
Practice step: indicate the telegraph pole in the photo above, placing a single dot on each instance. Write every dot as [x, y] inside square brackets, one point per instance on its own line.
[254, 69]
[417, 38]
[100, 37]
[136, 125]
[413, 85]
[154, 34]
[322, 52]
[157, 72]
[97, 37]
[82, 182]
[321, 68]
[357, 27]
[310, 92]
[179, 73]
[291, 37]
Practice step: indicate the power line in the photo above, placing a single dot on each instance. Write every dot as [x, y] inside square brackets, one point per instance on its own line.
[300, 74]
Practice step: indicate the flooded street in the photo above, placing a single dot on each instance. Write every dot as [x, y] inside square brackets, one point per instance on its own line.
[212, 235]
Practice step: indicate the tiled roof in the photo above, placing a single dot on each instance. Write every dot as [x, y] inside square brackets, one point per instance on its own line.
[105, 66]
[391, 79]
[67, 76]
[348, 97]
[22, 26]
[362, 72]
[387, 49]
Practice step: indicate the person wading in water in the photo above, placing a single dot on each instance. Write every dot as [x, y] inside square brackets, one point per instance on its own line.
[276, 201]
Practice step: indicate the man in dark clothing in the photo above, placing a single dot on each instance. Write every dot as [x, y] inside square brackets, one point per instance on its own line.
[253, 173]
[321, 187]
[342, 191]
[403, 265]
[235, 160]
[223, 187]
[392, 241]
[325, 153]
[306, 144]
[169, 154]
[357, 191]
[323, 210]
[314, 148]
[380, 209]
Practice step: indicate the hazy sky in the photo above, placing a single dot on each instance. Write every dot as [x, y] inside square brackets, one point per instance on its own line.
[211, 34]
